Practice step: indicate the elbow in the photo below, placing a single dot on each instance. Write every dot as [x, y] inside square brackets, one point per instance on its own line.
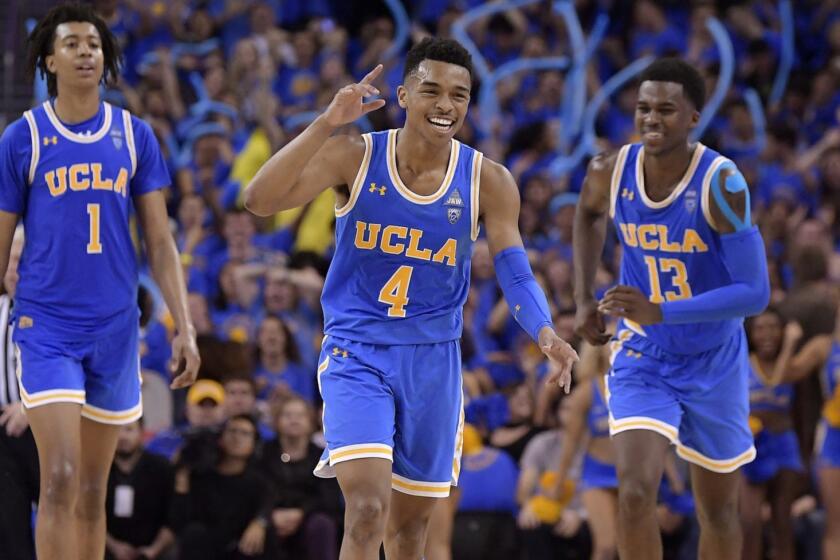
[253, 204]
[761, 300]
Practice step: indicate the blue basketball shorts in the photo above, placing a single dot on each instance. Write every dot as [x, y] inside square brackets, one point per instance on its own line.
[700, 402]
[774, 452]
[102, 374]
[402, 403]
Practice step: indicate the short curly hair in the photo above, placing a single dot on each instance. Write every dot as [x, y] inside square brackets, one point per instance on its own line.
[40, 43]
[435, 48]
[677, 71]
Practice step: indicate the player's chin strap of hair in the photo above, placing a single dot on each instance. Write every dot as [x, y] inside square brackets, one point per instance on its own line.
[524, 296]
[745, 259]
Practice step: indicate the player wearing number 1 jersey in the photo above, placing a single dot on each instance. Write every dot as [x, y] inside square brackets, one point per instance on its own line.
[71, 169]
[693, 266]
[408, 211]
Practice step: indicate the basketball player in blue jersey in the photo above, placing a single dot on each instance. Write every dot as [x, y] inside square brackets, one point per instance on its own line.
[408, 212]
[71, 170]
[693, 266]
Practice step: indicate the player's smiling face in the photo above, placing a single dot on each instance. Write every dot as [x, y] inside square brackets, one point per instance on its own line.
[664, 116]
[77, 59]
[435, 98]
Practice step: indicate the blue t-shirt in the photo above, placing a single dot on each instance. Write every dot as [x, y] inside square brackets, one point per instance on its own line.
[73, 186]
[488, 482]
[299, 379]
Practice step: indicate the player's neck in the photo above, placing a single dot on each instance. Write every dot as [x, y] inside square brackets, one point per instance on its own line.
[417, 154]
[663, 171]
[75, 107]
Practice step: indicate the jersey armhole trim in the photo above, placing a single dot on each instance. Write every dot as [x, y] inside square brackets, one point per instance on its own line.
[706, 189]
[36, 148]
[475, 193]
[618, 171]
[360, 177]
[129, 140]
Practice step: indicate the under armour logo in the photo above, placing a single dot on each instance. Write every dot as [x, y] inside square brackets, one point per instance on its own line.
[628, 194]
[336, 351]
[634, 354]
[50, 140]
[374, 188]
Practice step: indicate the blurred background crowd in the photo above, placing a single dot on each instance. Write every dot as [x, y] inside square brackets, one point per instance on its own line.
[225, 83]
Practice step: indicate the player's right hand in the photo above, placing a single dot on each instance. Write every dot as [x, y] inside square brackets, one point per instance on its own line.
[348, 105]
[589, 324]
[184, 351]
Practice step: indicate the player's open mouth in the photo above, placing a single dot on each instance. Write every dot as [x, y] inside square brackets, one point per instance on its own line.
[653, 135]
[85, 69]
[441, 124]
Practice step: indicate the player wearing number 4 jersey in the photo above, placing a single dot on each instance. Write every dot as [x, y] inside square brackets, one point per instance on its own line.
[693, 267]
[408, 211]
[71, 169]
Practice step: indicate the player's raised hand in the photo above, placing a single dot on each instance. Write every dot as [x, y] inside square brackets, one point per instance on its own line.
[348, 104]
[184, 351]
[561, 357]
[631, 303]
[589, 325]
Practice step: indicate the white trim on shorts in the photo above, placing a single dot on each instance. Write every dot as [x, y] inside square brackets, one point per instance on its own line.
[116, 418]
[419, 487]
[324, 468]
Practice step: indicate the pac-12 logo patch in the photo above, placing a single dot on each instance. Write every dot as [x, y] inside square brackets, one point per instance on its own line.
[454, 205]
[116, 138]
[691, 200]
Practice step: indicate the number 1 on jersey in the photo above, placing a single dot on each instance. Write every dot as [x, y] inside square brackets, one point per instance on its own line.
[94, 247]
[395, 291]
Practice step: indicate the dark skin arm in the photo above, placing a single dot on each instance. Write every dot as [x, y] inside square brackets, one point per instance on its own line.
[169, 275]
[629, 302]
[590, 229]
[499, 209]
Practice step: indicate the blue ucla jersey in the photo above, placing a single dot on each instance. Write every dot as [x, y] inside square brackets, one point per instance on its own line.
[401, 270]
[73, 187]
[670, 249]
[765, 396]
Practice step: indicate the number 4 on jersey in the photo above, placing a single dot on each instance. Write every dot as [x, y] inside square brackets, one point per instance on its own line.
[395, 291]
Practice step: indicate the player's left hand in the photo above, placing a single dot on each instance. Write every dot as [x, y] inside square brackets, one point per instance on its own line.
[253, 539]
[630, 303]
[561, 358]
[184, 351]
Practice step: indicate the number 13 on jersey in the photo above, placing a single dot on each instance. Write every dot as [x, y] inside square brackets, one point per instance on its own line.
[395, 291]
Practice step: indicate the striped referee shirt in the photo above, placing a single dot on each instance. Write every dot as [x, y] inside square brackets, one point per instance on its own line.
[8, 377]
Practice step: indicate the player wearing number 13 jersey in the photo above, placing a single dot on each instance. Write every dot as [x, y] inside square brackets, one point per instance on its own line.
[693, 266]
[408, 211]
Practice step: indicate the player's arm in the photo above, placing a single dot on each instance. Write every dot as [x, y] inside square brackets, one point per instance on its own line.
[742, 249]
[169, 275]
[499, 208]
[8, 221]
[792, 368]
[15, 161]
[590, 229]
[313, 161]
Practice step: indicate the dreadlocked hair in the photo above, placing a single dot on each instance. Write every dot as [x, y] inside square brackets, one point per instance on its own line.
[40, 43]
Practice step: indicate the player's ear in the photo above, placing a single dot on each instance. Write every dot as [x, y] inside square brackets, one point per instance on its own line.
[49, 62]
[402, 94]
[695, 117]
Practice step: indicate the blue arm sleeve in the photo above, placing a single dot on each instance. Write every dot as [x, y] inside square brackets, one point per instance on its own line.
[748, 294]
[524, 297]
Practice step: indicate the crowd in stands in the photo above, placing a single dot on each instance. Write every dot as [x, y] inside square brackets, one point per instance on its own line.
[224, 470]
